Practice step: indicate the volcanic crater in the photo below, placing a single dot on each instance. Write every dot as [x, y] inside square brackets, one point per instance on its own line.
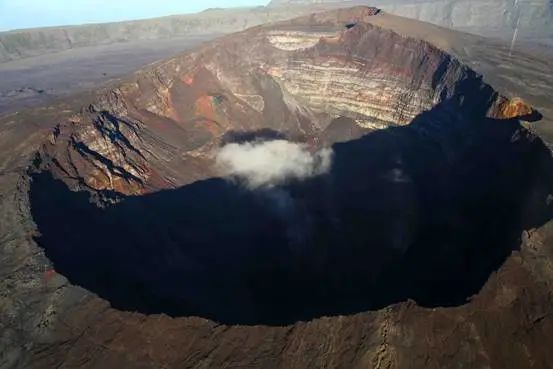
[432, 183]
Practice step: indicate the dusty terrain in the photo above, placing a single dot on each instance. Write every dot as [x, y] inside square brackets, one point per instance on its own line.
[39, 65]
[20, 44]
[489, 18]
[41, 79]
[103, 200]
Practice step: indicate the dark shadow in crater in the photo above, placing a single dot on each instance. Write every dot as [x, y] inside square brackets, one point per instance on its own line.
[260, 135]
[534, 116]
[425, 212]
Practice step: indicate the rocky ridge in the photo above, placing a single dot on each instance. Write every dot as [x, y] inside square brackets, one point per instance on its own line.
[533, 18]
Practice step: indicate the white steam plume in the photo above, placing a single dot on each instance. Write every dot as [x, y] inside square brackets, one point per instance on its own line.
[268, 164]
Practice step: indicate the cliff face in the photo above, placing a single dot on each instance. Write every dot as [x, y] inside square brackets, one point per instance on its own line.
[427, 244]
[294, 77]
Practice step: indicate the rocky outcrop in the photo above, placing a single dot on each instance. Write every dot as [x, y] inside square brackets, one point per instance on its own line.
[514, 108]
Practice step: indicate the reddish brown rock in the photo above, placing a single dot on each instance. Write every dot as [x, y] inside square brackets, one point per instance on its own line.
[296, 77]
[514, 108]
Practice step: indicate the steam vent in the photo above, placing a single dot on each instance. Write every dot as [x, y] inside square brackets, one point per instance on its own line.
[327, 191]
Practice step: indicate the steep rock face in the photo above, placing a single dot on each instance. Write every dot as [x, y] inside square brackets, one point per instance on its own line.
[297, 77]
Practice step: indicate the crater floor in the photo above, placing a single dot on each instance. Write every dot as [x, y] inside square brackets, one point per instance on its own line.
[405, 213]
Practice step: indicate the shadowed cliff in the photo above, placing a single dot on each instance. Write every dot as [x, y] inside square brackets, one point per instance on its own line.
[423, 212]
